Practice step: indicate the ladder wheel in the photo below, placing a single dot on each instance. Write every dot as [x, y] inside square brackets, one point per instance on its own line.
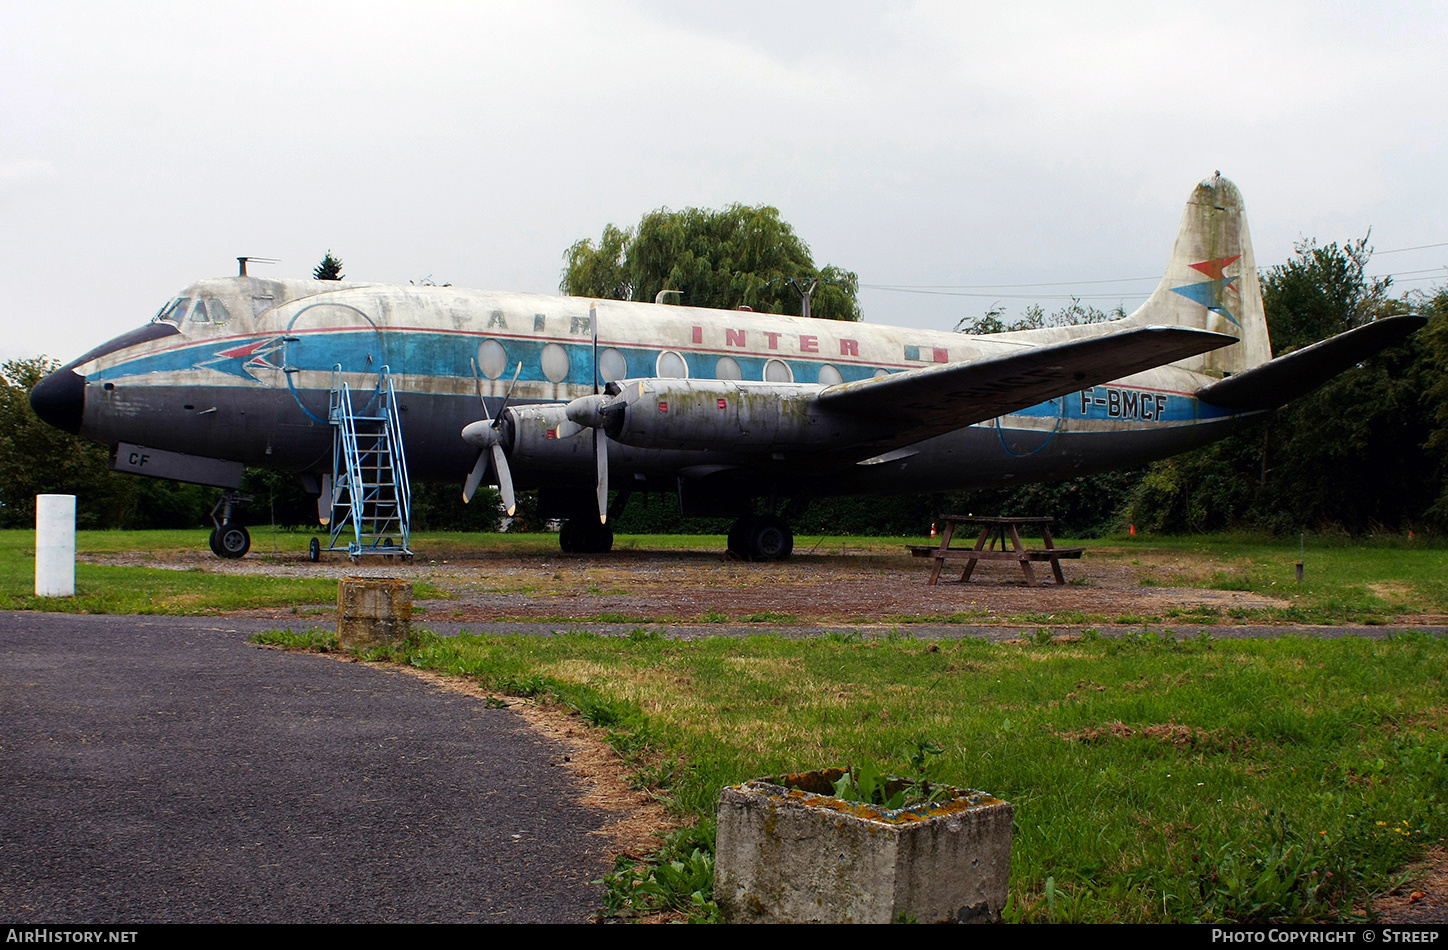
[314, 551]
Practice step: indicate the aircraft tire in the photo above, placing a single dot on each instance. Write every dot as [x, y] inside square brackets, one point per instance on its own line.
[600, 539]
[314, 551]
[215, 542]
[739, 534]
[232, 541]
[585, 536]
[770, 539]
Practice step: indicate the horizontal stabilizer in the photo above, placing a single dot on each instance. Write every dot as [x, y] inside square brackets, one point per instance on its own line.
[1287, 377]
[938, 399]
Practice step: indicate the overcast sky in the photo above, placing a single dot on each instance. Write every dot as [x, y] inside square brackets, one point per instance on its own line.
[956, 146]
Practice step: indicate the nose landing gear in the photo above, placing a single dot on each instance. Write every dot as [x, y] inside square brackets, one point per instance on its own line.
[229, 539]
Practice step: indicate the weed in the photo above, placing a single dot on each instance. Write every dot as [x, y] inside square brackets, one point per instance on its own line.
[523, 685]
[320, 641]
[769, 616]
[1284, 880]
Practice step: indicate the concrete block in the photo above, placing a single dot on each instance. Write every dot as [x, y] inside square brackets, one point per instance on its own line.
[372, 611]
[787, 851]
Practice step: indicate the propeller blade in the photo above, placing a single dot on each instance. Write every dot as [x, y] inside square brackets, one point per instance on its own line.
[475, 477]
[505, 480]
[509, 395]
[600, 458]
[567, 429]
[478, 383]
[485, 435]
[593, 328]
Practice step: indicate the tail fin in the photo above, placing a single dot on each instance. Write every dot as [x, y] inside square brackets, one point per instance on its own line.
[1211, 282]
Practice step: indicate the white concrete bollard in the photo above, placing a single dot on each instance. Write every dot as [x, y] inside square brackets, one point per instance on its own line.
[54, 545]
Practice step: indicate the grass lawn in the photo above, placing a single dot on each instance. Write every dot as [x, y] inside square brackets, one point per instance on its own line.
[1152, 779]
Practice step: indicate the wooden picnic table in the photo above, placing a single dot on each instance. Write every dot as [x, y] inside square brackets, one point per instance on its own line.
[992, 531]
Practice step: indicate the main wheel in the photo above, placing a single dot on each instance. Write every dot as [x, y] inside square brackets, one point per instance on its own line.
[585, 536]
[770, 539]
[739, 534]
[600, 539]
[232, 541]
[314, 551]
[215, 541]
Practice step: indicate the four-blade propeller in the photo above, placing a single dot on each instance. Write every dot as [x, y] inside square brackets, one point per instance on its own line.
[586, 412]
[486, 435]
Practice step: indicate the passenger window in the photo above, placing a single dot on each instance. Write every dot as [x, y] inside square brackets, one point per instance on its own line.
[492, 359]
[728, 368]
[671, 365]
[612, 365]
[778, 371]
[555, 363]
[829, 376]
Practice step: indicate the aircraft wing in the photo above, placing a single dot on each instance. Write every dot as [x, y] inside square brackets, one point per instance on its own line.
[937, 399]
[1279, 381]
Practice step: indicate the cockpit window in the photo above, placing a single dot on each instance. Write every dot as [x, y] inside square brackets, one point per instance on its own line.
[218, 312]
[174, 311]
[199, 310]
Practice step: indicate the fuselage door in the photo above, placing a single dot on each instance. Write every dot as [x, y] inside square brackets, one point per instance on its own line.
[320, 338]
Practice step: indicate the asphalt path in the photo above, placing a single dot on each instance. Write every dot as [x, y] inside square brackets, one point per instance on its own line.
[163, 769]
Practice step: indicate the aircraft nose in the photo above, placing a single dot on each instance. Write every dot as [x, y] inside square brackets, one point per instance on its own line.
[59, 399]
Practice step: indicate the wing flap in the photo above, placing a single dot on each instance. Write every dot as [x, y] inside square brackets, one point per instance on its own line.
[935, 399]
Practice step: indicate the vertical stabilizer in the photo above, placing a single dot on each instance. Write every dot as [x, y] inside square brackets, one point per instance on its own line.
[1211, 282]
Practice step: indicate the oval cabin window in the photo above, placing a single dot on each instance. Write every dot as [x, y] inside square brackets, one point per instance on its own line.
[778, 371]
[671, 365]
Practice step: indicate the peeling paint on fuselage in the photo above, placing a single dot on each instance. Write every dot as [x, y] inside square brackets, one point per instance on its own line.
[255, 388]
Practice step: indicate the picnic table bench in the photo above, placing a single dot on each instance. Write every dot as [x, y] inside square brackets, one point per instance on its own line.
[992, 531]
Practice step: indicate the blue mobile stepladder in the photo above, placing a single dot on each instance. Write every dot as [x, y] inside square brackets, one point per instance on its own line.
[371, 496]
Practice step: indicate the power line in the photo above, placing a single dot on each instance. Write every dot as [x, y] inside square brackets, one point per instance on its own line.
[1420, 247]
[957, 290]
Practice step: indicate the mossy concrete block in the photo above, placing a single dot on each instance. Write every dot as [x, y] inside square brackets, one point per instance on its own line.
[372, 611]
[787, 851]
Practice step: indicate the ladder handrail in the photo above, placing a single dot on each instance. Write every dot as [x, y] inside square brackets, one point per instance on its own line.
[382, 507]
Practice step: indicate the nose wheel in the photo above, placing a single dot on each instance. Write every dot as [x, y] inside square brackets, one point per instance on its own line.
[230, 541]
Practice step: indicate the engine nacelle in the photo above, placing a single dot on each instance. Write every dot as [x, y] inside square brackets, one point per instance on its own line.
[728, 416]
[533, 441]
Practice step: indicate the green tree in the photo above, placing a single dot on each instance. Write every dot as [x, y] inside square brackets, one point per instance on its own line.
[329, 269]
[36, 458]
[740, 256]
[1347, 456]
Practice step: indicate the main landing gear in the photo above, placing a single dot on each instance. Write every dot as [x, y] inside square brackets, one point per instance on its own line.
[761, 538]
[584, 535]
[229, 539]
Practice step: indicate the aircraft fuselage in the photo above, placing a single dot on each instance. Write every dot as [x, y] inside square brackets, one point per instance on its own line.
[241, 369]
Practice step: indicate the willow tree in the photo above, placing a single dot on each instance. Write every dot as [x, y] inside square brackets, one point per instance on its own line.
[739, 256]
